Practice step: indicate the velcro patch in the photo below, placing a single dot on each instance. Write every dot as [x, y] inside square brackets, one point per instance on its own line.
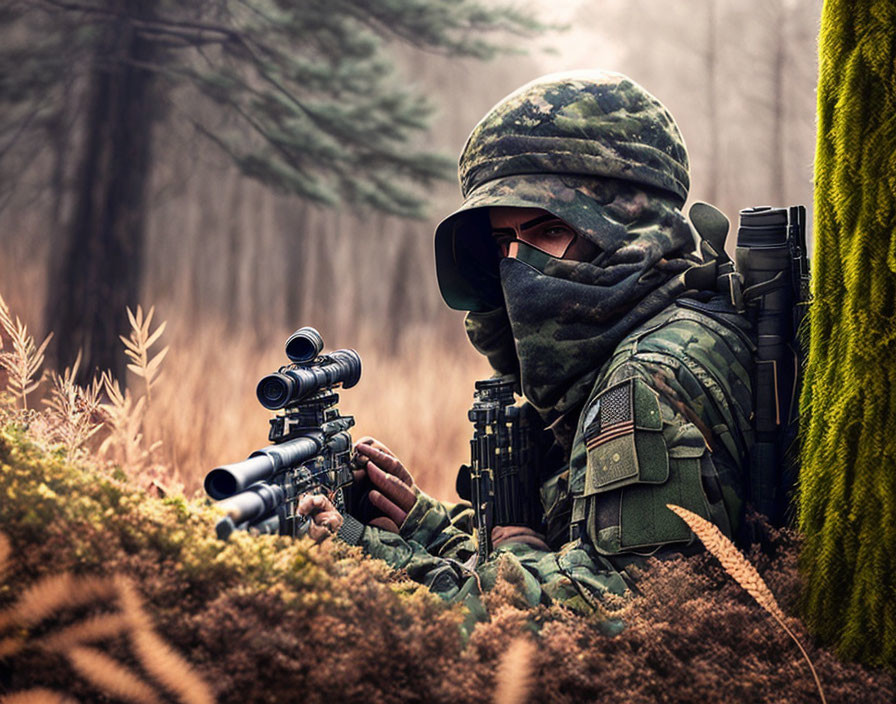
[614, 417]
[609, 439]
[623, 438]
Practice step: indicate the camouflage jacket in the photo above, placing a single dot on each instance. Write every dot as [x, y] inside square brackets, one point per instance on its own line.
[668, 421]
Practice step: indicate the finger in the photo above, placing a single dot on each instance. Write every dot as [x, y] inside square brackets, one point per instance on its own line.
[390, 485]
[324, 524]
[373, 442]
[311, 504]
[318, 533]
[385, 524]
[392, 511]
[388, 463]
[358, 475]
[331, 520]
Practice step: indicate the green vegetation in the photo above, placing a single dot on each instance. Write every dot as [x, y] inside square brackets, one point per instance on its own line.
[848, 476]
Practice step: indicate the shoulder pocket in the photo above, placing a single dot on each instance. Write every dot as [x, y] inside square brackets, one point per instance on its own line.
[634, 470]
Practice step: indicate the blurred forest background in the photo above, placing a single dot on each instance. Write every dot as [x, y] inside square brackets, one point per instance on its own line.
[234, 264]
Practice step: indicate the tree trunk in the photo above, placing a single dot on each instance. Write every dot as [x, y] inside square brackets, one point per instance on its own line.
[101, 260]
[848, 404]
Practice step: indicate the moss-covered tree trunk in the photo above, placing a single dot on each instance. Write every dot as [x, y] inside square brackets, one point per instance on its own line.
[848, 476]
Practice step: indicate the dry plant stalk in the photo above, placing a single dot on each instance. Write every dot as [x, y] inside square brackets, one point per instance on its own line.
[74, 410]
[137, 347]
[110, 676]
[38, 695]
[26, 358]
[125, 420]
[53, 594]
[514, 678]
[740, 569]
[5, 550]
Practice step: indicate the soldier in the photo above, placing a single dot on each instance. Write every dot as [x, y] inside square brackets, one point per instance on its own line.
[580, 275]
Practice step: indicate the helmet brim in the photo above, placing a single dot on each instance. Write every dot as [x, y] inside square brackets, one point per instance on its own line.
[467, 257]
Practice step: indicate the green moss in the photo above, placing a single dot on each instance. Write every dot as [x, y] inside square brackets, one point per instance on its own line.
[848, 476]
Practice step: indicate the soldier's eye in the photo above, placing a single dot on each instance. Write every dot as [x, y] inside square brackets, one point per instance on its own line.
[557, 231]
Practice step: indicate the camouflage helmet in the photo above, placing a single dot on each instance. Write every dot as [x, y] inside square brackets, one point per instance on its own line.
[545, 146]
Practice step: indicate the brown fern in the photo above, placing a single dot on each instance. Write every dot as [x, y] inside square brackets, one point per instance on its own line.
[111, 676]
[74, 410]
[125, 419]
[137, 348]
[25, 359]
[54, 594]
[157, 657]
[742, 572]
[5, 550]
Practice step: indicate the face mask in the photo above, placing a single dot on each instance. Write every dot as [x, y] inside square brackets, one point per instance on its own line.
[567, 317]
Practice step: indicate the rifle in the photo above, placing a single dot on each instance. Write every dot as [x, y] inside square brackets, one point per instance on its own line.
[311, 446]
[501, 480]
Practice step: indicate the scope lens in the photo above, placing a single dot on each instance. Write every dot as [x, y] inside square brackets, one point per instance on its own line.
[304, 345]
[275, 390]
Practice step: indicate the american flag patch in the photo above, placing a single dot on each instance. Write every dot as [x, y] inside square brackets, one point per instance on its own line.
[614, 416]
[611, 432]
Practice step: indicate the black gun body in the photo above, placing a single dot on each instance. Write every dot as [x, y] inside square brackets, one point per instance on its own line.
[503, 466]
[310, 450]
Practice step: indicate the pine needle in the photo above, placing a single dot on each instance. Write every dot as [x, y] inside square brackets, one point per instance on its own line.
[740, 569]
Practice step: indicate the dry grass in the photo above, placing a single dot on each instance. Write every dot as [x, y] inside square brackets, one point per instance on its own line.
[739, 568]
[414, 399]
[26, 358]
[194, 405]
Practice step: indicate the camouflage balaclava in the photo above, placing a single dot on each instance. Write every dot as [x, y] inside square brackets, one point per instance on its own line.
[599, 152]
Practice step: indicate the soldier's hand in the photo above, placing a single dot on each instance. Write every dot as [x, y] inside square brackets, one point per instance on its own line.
[518, 534]
[325, 521]
[395, 493]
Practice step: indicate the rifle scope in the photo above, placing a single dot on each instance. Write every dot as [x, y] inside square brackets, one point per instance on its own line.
[291, 385]
[229, 479]
[304, 345]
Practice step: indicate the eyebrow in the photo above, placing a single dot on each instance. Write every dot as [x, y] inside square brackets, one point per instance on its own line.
[528, 224]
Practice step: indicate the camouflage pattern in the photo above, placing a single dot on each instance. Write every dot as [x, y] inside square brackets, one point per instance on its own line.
[694, 362]
[602, 154]
[593, 148]
[647, 391]
[593, 123]
[690, 436]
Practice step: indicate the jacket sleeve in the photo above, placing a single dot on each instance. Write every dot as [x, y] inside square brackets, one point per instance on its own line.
[436, 552]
